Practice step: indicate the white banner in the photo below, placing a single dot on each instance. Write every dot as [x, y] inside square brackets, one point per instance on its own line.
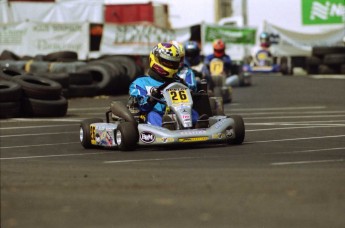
[33, 38]
[292, 43]
[137, 39]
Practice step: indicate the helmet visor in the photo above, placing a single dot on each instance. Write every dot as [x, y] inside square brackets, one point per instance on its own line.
[168, 63]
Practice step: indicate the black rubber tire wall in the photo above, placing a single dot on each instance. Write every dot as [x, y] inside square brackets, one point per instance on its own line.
[39, 87]
[10, 91]
[45, 108]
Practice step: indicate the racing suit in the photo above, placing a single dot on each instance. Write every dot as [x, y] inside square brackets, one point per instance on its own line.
[143, 86]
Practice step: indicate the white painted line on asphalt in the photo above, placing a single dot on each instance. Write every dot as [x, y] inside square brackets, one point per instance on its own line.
[54, 155]
[291, 128]
[299, 122]
[308, 151]
[328, 76]
[297, 139]
[36, 145]
[154, 159]
[290, 117]
[38, 134]
[38, 126]
[281, 108]
[306, 162]
[289, 113]
[13, 120]
[84, 109]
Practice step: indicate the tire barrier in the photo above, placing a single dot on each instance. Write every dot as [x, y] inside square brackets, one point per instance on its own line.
[61, 56]
[31, 96]
[326, 60]
[65, 67]
[107, 75]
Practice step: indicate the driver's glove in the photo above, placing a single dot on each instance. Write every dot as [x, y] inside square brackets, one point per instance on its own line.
[155, 93]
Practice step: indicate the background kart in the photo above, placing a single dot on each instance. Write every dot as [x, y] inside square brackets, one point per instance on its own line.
[264, 63]
[126, 130]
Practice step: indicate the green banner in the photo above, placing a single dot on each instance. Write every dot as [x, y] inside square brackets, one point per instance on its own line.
[230, 35]
[316, 12]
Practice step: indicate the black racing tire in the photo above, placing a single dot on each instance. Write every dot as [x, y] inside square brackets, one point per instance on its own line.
[61, 56]
[101, 74]
[9, 72]
[61, 78]
[226, 94]
[39, 87]
[126, 136]
[128, 63]
[80, 78]
[45, 108]
[8, 55]
[10, 91]
[325, 69]
[325, 50]
[239, 130]
[334, 59]
[85, 133]
[119, 80]
[313, 60]
[10, 109]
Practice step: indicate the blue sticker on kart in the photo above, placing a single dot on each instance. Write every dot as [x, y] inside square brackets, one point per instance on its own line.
[147, 137]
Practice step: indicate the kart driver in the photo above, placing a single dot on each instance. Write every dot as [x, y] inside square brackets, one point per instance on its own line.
[218, 52]
[193, 58]
[262, 55]
[164, 60]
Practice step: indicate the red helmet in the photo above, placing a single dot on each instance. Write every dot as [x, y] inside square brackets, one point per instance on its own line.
[218, 48]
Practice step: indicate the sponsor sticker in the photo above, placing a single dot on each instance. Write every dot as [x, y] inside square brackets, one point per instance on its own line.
[165, 140]
[147, 137]
[194, 139]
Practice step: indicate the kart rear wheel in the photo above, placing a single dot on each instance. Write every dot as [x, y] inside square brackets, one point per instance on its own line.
[239, 130]
[85, 133]
[126, 136]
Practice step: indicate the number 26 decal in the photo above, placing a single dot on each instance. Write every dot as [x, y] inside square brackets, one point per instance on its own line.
[179, 96]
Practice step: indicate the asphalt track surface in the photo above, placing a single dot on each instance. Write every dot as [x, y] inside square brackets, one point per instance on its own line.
[289, 172]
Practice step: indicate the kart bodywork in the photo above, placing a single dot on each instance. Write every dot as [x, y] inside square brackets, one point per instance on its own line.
[125, 127]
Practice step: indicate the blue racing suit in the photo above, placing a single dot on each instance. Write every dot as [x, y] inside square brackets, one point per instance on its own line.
[141, 88]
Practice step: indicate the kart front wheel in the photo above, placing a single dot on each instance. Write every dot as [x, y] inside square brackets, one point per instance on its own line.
[239, 130]
[85, 133]
[126, 136]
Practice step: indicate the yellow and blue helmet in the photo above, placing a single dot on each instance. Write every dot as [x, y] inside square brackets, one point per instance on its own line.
[165, 59]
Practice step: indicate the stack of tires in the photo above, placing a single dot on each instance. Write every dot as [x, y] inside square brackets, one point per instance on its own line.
[326, 60]
[25, 95]
[107, 75]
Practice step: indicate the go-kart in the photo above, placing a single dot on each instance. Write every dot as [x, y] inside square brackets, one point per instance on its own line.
[264, 63]
[125, 127]
[218, 77]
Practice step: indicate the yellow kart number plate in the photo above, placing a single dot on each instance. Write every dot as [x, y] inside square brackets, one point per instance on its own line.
[216, 67]
[178, 96]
